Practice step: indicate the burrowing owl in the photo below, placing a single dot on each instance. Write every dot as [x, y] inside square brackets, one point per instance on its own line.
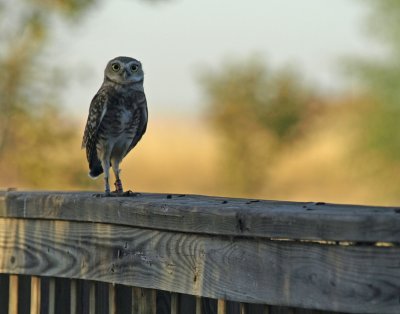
[117, 119]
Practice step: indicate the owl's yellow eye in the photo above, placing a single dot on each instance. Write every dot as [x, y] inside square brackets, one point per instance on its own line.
[134, 67]
[115, 67]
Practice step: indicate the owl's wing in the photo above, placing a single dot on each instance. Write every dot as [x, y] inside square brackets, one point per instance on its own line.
[97, 110]
[141, 120]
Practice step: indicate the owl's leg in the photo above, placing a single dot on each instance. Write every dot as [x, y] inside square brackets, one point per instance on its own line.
[106, 168]
[104, 153]
[118, 183]
[105, 163]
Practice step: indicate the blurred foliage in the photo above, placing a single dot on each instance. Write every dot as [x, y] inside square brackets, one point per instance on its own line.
[256, 111]
[265, 118]
[34, 134]
[36, 137]
[379, 79]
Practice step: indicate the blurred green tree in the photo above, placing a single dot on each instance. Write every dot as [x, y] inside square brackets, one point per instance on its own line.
[256, 112]
[32, 126]
[379, 79]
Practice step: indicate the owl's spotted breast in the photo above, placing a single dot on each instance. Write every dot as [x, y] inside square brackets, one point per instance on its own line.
[122, 123]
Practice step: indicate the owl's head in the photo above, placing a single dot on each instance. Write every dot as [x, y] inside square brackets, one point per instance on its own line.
[124, 70]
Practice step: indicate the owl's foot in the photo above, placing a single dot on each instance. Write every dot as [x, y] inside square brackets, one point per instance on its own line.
[118, 186]
[124, 194]
[130, 193]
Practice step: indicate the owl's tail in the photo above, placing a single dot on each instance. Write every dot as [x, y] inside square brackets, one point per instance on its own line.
[95, 168]
[94, 173]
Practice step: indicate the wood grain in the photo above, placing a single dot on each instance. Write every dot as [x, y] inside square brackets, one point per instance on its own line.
[174, 303]
[52, 296]
[144, 301]
[221, 306]
[92, 298]
[111, 299]
[213, 215]
[35, 295]
[354, 279]
[4, 292]
[62, 295]
[74, 295]
[13, 295]
[198, 306]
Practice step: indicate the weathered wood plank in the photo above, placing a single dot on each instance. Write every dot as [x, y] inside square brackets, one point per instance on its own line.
[4, 289]
[213, 215]
[354, 279]
[123, 299]
[111, 299]
[62, 296]
[13, 295]
[243, 308]
[52, 296]
[144, 301]
[198, 305]
[221, 306]
[281, 310]
[163, 302]
[74, 296]
[44, 295]
[35, 295]
[24, 294]
[92, 298]
[174, 303]
[82, 296]
[187, 303]
[210, 306]
[101, 297]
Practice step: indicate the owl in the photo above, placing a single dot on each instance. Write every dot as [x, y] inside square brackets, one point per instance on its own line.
[117, 120]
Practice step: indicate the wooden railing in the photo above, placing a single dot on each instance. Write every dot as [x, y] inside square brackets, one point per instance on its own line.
[156, 253]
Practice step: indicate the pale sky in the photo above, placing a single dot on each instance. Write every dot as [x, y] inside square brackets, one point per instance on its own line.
[175, 40]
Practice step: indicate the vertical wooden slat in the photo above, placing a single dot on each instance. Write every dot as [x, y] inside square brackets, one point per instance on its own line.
[4, 292]
[24, 294]
[13, 295]
[44, 295]
[123, 299]
[198, 305]
[221, 306]
[243, 309]
[102, 306]
[82, 296]
[187, 303]
[267, 309]
[209, 306]
[280, 310]
[163, 302]
[144, 301]
[174, 303]
[63, 296]
[74, 293]
[35, 295]
[111, 299]
[92, 298]
[52, 296]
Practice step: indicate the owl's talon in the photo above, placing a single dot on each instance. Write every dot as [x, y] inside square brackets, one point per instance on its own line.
[118, 186]
[131, 193]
